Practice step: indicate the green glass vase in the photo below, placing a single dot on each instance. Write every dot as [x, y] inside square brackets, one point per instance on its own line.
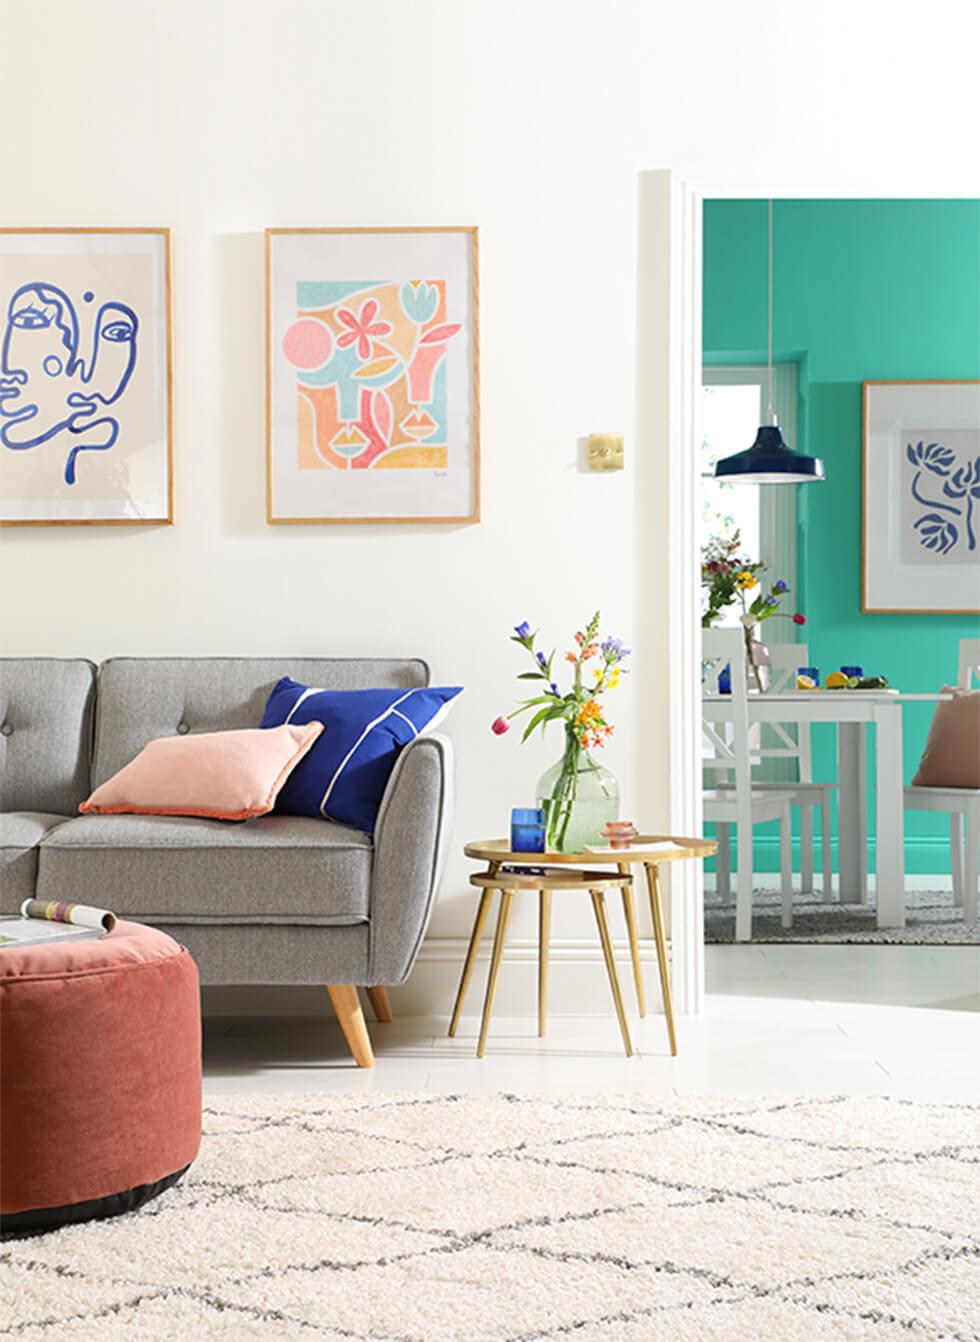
[579, 796]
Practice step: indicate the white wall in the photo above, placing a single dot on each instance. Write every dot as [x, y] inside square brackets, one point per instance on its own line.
[530, 118]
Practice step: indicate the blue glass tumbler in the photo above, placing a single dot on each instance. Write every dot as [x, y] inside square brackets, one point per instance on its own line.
[527, 829]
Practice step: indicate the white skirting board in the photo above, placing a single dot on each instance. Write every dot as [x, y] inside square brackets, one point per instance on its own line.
[577, 983]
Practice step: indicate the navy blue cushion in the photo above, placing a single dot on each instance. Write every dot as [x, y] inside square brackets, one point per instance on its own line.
[343, 776]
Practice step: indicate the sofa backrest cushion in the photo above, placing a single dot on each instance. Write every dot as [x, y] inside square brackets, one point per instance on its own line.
[46, 709]
[142, 698]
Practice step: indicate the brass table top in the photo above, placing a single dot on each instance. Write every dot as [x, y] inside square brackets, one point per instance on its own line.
[499, 850]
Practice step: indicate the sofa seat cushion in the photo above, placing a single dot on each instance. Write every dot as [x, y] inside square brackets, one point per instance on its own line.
[20, 834]
[179, 869]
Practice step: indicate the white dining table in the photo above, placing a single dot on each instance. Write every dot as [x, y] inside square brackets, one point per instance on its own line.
[853, 712]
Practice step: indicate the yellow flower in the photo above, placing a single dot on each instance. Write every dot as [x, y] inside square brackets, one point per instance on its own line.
[746, 580]
[614, 678]
[597, 673]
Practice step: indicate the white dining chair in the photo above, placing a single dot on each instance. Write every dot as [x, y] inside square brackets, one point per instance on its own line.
[740, 804]
[962, 805]
[790, 742]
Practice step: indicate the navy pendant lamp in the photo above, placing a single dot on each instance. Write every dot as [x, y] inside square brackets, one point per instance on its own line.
[769, 461]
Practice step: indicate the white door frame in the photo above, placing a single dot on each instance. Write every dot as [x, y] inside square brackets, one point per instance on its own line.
[668, 379]
[668, 385]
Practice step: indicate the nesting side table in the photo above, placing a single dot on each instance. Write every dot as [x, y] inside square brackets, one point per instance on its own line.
[511, 872]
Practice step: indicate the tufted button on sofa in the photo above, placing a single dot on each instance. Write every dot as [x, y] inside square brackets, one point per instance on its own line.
[278, 899]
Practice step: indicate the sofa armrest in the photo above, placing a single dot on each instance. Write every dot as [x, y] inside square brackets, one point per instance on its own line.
[411, 839]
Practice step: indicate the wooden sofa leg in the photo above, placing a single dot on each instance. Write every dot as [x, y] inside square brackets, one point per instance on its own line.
[347, 1005]
[378, 997]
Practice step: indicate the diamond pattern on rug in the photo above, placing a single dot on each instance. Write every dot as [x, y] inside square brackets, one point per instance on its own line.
[932, 919]
[503, 1218]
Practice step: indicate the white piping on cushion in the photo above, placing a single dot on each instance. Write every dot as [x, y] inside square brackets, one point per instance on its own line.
[305, 695]
[415, 730]
[364, 734]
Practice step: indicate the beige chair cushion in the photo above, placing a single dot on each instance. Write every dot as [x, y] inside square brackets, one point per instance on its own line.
[952, 754]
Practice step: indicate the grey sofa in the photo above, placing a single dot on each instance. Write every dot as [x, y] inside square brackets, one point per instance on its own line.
[278, 899]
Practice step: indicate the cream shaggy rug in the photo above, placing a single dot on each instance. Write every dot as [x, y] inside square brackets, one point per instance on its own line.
[506, 1219]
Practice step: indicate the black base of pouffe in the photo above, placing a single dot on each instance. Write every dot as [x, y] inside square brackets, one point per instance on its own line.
[40, 1220]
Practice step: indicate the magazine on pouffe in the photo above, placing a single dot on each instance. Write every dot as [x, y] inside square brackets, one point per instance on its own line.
[47, 921]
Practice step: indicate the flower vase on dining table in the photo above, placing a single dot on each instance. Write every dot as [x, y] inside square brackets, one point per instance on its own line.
[579, 797]
[757, 660]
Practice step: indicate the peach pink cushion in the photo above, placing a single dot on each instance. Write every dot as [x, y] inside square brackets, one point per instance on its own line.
[218, 775]
[952, 754]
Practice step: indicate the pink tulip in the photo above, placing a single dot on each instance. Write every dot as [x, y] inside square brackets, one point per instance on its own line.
[499, 726]
[799, 619]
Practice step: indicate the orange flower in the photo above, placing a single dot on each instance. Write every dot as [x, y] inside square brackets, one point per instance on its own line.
[570, 657]
[589, 714]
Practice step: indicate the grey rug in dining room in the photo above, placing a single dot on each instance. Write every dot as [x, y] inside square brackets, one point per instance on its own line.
[932, 919]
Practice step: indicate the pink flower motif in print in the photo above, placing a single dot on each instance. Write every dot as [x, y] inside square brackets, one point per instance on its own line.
[361, 328]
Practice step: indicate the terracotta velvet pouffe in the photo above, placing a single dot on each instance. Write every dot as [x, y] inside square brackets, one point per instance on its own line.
[100, 1076]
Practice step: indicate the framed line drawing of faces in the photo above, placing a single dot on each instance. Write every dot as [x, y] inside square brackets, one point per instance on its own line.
[921, 497]
[372, 387]
[86, 376]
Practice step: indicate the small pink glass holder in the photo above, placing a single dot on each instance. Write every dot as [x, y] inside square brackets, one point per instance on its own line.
[620, 833]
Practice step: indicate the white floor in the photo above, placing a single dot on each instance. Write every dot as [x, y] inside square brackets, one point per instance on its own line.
[854, 1020]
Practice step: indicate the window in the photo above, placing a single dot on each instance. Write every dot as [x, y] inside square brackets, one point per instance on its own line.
[734, 404]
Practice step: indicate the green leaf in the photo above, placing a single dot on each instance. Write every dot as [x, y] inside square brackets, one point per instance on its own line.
[529, 703]
[538, 718]
[532, 675]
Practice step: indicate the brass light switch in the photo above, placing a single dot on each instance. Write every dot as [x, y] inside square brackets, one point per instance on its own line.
[605, 452]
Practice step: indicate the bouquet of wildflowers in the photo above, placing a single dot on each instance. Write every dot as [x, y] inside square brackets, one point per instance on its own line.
[763, 606]
[727, 577]
[597, 664]
[724, 573]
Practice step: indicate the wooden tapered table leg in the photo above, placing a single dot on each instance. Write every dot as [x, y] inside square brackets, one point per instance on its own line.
[656, 909]
[476, 937]
[630, 915]
[544, 936]
[506, 899]
[347, 1005]
[378, 997]
[599, 905]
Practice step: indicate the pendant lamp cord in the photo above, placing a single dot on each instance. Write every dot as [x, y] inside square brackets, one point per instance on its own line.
[772, 417]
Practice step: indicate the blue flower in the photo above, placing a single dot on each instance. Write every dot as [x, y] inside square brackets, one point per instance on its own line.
[542, 660]
[613, 650]
[771, 601]
[554, 689]
[933, 456]
[936, 533]
[419, 301]
[523, 630]
[780, 586]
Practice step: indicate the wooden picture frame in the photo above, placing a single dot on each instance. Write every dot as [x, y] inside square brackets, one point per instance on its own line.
[920, 496]
[86, 377]
[372, 385]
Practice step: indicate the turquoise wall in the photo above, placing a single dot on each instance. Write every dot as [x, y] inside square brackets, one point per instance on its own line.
[864, 289]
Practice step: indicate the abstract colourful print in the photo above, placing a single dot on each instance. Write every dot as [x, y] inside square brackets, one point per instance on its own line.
[370, 361]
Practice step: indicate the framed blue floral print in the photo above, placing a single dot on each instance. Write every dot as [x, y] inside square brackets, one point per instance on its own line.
[921, 497]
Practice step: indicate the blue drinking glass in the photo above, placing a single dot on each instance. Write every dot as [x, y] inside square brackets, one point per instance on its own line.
[527, 829]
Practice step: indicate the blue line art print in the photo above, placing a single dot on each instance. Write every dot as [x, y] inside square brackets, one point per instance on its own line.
[949, 491]
[49, 390]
